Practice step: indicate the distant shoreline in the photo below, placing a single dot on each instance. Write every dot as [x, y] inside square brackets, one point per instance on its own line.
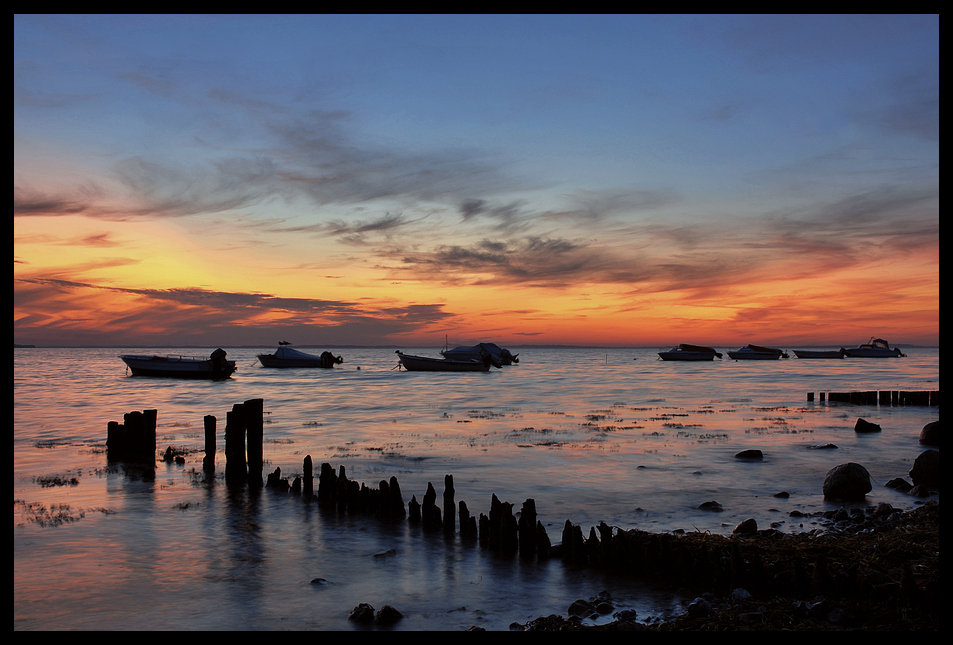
[392, 345]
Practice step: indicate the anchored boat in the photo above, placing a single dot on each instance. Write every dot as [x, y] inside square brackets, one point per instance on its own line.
[875, 348]
[190, 367]
[413, 363]
[757, 353]
[686, 352]
[286, 357]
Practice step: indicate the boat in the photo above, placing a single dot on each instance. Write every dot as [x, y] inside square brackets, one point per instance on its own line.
[874, 348]
[502, 356]
[285, 356]
[216, 366]
[819, 353]
[686, 352]
[757, 353]
[413, 363]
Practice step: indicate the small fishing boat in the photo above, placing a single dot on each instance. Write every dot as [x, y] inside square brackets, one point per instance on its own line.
[287, 357]
[875, 348]
[501, 355]
[757, 353]
[819, 353]
[190, 367]
[413, 363]
[686, 352]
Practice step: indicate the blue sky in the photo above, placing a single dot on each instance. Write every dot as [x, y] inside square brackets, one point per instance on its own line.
[620, 155]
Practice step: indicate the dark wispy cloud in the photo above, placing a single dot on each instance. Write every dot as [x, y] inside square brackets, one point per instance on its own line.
[660, 256]
[49, 307]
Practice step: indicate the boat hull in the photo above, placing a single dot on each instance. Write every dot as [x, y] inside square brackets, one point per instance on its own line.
[753, 356]
[757, 353]
[811, 353]
[862, 352]
[270, 360]
[179, 367]
[686, 356]
[425, 364]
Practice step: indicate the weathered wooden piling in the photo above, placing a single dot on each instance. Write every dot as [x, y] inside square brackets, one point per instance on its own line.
[342, 486]
[449, 517]
[501, 527]
[395, 502]
[254, 430]
[468, 523]
[526, 526]
[236, 473]
[430, 512]
[326, 485]
[308, 491]
[133, 440]
[208, 463]
[543, 545]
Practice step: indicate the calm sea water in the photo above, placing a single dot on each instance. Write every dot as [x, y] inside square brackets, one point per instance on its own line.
[591, 435]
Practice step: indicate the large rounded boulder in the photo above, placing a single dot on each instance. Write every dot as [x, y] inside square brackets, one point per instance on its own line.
[930, 434]
[926, 469]
[847, 482]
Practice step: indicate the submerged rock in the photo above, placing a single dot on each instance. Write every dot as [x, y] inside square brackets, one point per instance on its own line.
[750, 455]
[363, 613]
[387, 616]
[863, 425]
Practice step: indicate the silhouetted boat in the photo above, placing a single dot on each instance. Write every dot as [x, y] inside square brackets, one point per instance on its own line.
[285, 356]
[819, 353]
[686, 352]
[413, 363]
[875, 348]
[757, 353]
[189, 367]
[501, 356]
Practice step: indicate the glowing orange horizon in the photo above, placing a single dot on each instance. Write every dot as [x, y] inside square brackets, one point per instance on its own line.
[153, 283]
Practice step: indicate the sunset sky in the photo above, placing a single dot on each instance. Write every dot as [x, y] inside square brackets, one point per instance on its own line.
[376, 180]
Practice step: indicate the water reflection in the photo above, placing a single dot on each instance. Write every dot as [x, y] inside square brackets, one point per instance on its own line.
[590, 438]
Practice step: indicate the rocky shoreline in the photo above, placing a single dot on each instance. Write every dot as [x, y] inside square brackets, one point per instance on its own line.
[873, 569]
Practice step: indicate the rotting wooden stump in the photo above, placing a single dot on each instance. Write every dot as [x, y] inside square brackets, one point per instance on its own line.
[133, 440]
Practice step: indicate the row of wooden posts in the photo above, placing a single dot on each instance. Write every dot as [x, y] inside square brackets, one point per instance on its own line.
[929, 398]
[665, 557]
[134, 441]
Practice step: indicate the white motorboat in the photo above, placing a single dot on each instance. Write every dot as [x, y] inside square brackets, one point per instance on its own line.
[757, 353]
[287, 357]
[686, 352]
[190, 367]
[875, 348]
[413, 363]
